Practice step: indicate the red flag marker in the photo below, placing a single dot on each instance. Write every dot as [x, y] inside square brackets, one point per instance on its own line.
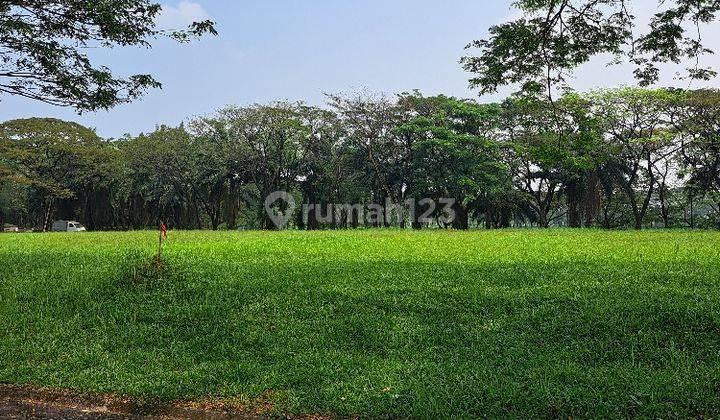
[162, 234]
[163, 230]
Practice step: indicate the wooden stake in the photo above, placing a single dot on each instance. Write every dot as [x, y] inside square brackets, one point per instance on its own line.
[159, 253]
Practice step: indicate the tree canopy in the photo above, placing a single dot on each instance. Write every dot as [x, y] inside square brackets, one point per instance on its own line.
[616, 158]
[43, 48]
[553, 37]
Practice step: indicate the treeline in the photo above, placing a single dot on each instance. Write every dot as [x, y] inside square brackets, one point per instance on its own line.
[623, 158]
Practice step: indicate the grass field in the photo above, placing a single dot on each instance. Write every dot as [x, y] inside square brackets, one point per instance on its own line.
[376, 323]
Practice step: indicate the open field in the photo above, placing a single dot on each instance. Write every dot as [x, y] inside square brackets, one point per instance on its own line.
[503, 323]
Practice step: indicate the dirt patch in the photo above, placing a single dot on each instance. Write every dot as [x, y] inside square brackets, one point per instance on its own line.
[25, 402]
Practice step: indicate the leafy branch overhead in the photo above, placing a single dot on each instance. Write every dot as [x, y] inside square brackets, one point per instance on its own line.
[555, 36]
[43, 48]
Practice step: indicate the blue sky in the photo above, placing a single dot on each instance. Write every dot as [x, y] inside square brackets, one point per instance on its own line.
[283, 49]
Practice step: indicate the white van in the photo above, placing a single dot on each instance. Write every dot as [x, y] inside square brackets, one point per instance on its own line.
[10, 228]
[67, 226]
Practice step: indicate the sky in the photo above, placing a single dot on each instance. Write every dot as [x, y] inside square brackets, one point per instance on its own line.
[293, 50]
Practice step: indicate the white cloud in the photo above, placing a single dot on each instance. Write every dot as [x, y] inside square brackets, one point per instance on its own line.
[180, 16]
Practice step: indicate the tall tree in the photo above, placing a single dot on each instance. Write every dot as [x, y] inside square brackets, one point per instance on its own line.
[43, 48]
[223, 167]
[322, 172]
[369, 123]
[581, 153]
[51, 156]
[636, 126]
[553, 37]
[452, 154]
[534, 152]
[268, 136]
[160, 175]
[696, 116]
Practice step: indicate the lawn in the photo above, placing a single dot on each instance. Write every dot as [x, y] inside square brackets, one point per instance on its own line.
[376, 323]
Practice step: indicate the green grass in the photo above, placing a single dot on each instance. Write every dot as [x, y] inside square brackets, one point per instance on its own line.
[376, 323]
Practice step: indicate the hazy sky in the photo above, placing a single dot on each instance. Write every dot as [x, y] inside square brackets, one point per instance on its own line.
[297, 49]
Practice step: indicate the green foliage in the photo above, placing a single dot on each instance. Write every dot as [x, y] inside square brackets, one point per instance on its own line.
[540, 49]
[53, 157]
[624, 157]
[503, 324]
[696, 114]
[43, 49]
[452, 154]
[158, 170]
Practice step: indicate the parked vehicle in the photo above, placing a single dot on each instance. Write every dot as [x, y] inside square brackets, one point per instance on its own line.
[10, 228]
[67, 226]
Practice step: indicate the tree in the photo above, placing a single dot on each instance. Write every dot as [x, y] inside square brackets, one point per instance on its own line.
[534, 153]
[267, 137]
[221, 170]
[621, 157]
[51, 156]
[211, 171]
[322, 171]
[160, 176]
[554, 37]
[696, 116]
[43, 44]
[452, 154]
[13, 202]
[638, 133]
[580, 156]
[380, 157]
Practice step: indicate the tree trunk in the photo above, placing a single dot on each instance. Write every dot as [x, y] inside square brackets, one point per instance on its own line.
[638, 213]
[415, 214]
[692, 213]
[543, 221]
[461, 217]
[48, 213]
[592, 199]
[215, 220]
[312, 213]
[638, 220]
[573, 197]
[504, 220]
[231, 205]
[354, 219]
[664, 212]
